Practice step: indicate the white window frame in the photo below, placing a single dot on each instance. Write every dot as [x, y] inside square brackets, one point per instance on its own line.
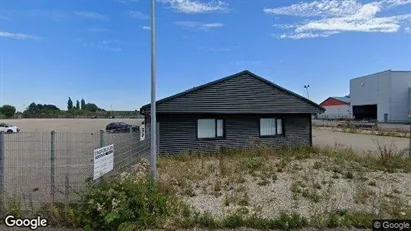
[217, 134]
[277, 128]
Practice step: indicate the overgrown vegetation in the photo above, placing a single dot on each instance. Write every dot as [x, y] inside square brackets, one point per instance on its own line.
[131, 201]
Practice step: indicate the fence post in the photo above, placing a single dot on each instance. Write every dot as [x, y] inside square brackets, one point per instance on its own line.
[52, 162]
[409, 151]
[101, 138]
[2, 160]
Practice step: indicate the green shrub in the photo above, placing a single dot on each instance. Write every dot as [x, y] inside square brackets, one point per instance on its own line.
[131, 201]
[350, 219]
[108, 204]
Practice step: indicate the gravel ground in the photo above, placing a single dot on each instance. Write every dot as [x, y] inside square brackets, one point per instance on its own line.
[358, 142]
[363, 191]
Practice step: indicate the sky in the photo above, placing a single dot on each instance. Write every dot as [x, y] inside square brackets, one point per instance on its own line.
[99, 50]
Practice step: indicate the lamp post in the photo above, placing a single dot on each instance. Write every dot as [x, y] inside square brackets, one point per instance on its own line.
[306, 87]
[153, 156]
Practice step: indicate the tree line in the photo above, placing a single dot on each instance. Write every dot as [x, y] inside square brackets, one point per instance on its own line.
[91, 107]
[36, 110]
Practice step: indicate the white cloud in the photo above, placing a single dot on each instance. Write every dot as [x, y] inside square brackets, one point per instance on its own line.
[19, 36]
[329, 17]
[104, 45]
[91, 15]
[196, 6]
[138, 15]
[407, 29]
[394, 3]
[146, 27]
[306, 35]
[191, 25]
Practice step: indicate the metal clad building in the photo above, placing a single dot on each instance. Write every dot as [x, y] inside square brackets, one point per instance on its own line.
[336, 108]
[383, 96]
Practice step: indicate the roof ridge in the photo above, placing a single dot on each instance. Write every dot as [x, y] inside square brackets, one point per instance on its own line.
[241, 73]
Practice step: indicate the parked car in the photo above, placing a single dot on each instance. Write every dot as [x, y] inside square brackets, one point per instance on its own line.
[7, 128]
[120, 127]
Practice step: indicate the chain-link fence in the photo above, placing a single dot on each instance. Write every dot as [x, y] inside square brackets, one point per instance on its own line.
[43, 167]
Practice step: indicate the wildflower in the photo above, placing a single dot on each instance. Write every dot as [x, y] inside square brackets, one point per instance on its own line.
[99, 207]
[124, 176]
[115, 203]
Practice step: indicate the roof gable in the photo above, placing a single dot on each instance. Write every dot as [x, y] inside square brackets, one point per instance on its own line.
[243, 92]
[335, 101]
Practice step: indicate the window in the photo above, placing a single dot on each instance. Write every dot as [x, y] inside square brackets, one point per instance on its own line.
[271, 126]
[210, 128]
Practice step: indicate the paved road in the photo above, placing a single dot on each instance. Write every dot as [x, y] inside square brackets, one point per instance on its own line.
[358, 142]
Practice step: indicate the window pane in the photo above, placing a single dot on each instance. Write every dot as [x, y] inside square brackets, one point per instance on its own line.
[206, 128]
[220, 128]
[267, 127]
[279, 126]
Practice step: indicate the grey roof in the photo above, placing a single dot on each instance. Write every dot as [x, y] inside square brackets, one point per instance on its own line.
[245, 72]
[342, 99]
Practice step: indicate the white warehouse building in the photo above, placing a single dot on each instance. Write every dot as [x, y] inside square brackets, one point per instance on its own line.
[383, 96]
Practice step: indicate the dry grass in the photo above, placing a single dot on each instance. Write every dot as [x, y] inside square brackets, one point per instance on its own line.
[304, 181]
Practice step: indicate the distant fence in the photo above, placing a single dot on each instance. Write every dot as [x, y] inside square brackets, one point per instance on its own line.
[43, 167]
[334, 117]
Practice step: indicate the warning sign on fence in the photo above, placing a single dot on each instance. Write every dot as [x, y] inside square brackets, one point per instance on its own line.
[142, 132]
[103, 161]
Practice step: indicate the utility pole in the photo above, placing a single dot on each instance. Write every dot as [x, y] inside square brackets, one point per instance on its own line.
[306, 87]
[153, 157]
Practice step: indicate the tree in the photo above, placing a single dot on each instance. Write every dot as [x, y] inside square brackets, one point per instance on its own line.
[8, 111]
[77, 104]
[69, 104]
[91, 107]
[83, 104]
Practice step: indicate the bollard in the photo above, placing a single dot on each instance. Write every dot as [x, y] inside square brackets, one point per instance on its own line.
[52, 162]
[101, 138]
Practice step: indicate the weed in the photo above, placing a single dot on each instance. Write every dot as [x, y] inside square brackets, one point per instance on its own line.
[335, 176]
[361, 194]
[349, 175]
[350, 219]
[254, 164]
[317, 165]
[274, 177]
[372, 183]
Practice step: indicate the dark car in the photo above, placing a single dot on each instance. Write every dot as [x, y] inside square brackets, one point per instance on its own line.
[120, 127]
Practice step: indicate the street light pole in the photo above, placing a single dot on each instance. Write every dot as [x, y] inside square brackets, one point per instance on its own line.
[306, 87]
[153, 156]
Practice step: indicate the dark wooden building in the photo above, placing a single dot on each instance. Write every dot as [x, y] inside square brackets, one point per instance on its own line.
[234, 111]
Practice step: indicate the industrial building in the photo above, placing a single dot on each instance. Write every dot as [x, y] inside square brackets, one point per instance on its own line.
[383, 96]
[336, 108]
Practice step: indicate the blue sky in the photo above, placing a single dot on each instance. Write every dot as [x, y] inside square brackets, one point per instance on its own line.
[100, 49]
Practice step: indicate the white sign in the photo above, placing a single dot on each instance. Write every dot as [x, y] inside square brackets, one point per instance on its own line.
[103, 160]
[142, 132]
